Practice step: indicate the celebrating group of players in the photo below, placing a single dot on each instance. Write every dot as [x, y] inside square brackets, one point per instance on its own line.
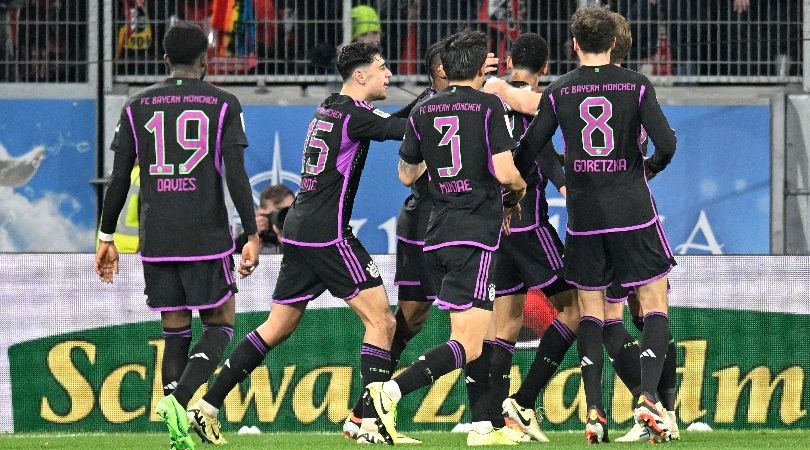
[473, 237]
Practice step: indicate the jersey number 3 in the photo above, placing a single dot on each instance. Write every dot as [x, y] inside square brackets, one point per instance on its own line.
[596, 123]
[199, 144]
[452, 139]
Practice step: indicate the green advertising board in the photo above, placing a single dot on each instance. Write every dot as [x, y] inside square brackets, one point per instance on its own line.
[741, 365]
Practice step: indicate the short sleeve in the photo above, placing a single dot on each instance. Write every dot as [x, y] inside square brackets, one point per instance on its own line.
[124, 140]
[232, 123]
[498, 133]
[411, 149]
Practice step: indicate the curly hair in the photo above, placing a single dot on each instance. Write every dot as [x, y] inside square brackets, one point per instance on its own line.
[354, 55]
[529, 52]
[624, 39]
[184, 43]
[594, 29]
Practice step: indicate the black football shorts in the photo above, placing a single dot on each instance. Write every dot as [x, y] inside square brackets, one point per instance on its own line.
[188, 285]
[410, 278]
[616, 293]
[630, 258]
[530, 260]
[461, 276]
[344, 269]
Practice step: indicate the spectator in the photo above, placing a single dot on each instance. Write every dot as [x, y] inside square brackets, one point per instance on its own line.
[272, 200]
[365, 25]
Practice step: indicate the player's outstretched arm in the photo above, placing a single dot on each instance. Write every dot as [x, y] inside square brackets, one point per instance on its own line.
[509, 177]
[658, 129]
[520, 100]
[242, 196]
[537, 138]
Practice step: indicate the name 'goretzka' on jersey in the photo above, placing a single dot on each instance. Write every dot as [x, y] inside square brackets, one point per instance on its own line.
[601, 111]
[335, 152]
[178, 129]
[547, 167]
[456, 133]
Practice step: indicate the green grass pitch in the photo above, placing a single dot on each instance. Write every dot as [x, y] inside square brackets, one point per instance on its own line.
[432, 440]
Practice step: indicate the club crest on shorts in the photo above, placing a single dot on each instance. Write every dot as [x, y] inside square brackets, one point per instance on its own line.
[373, 270]
[491, 292]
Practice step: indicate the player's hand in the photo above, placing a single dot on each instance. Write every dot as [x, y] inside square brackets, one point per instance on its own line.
[262, 224]
[106, 261]
[507, 217]
[564, 192]
[495, 86]
[491, 64]
[250, 255]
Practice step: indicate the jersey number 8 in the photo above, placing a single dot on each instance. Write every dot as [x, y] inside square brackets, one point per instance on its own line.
[594, 123]
[198, 144]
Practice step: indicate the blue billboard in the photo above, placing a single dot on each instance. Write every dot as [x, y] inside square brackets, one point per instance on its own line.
[47, 159]
[714, 197]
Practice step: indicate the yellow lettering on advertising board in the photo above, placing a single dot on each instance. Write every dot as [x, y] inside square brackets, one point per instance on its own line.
[78, 389]
[336, 398]
[260, 390]
[557, 411]
[110, 394]
[428, 411]
[729, 388]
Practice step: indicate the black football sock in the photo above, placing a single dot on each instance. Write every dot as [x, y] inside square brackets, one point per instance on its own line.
[553, 345]
[203, 361]
[638, 321]
[428, 368]
[500, 368]
[176, 342]
[244, 358]
[666, 387]
[589, 345]
[654, 343]
[402, 335]
[623, 353]
[375, 365]
[478, 384]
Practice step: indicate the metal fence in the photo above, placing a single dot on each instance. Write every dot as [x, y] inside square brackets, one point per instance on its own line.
[296, 41]
[45, 41]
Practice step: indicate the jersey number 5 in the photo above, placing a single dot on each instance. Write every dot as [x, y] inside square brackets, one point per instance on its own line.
[318, 144]
[594, 123]
[198, 144]
[451, 138]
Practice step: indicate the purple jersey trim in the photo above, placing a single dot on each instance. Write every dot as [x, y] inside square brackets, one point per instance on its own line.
[410, 119]
[650, 280]
[218, 147]
[467, 243]
[343, 165]
[134, 134]
[552, 253]
[547, 283]
[455, 347]
[553, 103]
[311, 244]
[564, 331]
[523, 229]
[587, 288]
[656, 313]
[352, 295]
[615, 300]
[407, 283]
[664, 241]
[593, 319]
[641, 93]
[447, 305]
[188, 258]
[614, 230]
[219, 303]
[410, 241]
[510, 290]
[294, 300]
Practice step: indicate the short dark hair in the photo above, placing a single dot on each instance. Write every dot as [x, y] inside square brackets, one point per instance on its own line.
[624, 38]
[354, 55]
[529, 52]
[593, 29]
[463, 55]
[184, 43]
[432, 57]
[275, 193]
